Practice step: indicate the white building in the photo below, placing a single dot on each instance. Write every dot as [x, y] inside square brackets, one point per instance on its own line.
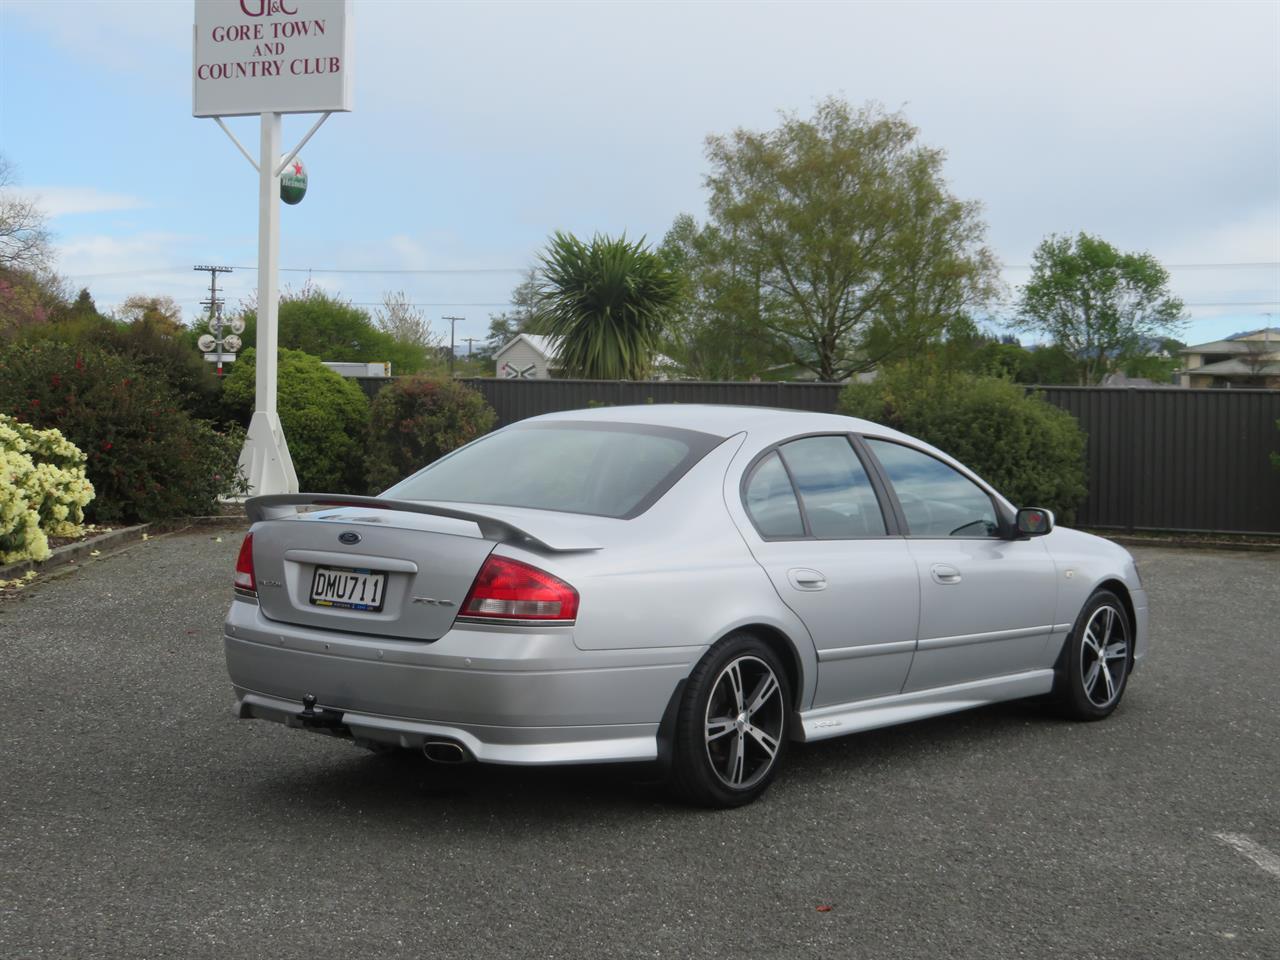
[526, 357]
[529, 356]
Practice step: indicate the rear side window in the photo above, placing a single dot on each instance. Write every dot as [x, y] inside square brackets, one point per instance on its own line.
[602, 469]
[838, 498]
[937, 500]
[771, 501]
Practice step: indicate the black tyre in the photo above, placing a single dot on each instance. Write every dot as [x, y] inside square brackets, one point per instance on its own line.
[1094, 666]
[733, 723]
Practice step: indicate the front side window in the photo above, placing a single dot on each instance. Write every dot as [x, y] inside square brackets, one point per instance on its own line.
[603, 469]
[771, 501]
[938, 501]
[838, 498]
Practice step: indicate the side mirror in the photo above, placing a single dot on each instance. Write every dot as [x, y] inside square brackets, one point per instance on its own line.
[1034, 521]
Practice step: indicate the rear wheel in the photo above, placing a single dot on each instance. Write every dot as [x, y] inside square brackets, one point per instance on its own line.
[732, 728]
[1094, 667]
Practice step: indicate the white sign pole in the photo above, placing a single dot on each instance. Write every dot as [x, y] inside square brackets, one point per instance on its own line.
[265, 58]
[265, 458]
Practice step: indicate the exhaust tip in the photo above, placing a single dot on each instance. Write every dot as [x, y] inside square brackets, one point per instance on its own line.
[445, 751]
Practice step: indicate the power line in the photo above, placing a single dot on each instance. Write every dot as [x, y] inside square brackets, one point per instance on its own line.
[441, 271]
[1240, 265]
[452, 271]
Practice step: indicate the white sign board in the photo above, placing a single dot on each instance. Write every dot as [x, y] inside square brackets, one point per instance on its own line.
[271, 56]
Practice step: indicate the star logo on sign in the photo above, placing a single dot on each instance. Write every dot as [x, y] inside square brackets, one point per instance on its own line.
[297, 169]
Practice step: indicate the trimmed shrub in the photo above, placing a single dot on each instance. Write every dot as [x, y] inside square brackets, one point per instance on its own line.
[146, 457]
[414, 421]
[1028, 449]
[158, 348]
[43, 490]
[325, 418]
[330, 328]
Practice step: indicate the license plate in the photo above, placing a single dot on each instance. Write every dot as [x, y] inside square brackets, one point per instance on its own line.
[351, 588]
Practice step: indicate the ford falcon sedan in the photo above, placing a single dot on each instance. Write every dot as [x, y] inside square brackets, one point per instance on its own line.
[696, 586]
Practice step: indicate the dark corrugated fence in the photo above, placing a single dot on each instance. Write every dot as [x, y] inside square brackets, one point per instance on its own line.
[517, 399]
[1159, 459]
[1196, 460]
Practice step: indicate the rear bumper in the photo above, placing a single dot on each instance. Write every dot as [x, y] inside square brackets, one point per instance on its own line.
[506, 695]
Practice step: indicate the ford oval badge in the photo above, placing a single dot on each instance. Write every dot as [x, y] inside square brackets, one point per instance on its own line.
[349, 537]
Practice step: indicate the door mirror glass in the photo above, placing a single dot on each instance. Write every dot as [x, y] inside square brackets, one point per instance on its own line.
[1034, 521]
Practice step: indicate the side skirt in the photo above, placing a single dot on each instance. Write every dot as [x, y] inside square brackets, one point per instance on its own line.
[835, 721]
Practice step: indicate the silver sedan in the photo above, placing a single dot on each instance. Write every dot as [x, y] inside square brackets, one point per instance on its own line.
[692, 585]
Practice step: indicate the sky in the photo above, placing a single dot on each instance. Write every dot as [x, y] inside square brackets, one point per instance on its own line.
[478, 129]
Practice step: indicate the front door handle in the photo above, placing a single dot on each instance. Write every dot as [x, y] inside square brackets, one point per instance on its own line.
[945, 573]
[802, 578]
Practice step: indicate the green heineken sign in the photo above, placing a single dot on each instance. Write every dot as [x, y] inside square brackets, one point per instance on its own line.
[293, 182]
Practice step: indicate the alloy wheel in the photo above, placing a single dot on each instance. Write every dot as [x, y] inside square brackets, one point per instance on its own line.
[744, 722]
[1104, 655]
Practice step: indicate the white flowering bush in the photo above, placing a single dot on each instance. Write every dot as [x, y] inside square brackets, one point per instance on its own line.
[43, 490]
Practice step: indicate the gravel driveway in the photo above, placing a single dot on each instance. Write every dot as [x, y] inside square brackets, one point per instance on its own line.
[139, 819]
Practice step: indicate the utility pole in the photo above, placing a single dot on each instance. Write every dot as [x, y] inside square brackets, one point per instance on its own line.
[452, 326]
[214, 305]
[469, 341]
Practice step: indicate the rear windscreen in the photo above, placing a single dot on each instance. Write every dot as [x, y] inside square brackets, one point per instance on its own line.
[603, 469]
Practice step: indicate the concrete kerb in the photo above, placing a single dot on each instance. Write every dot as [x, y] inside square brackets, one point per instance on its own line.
[117, 539]
[72, 552]
[1189, 543]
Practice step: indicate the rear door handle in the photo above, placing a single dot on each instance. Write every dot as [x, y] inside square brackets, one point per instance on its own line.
[945, 573]
[802, 578]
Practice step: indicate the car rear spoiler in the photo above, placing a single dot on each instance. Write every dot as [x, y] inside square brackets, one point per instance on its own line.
[282, 505]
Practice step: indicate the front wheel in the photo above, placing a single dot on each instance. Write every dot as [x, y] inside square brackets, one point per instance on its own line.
[1094, 666]
[733, 724]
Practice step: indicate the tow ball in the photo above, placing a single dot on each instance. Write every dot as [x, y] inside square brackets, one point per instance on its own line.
[318, 719]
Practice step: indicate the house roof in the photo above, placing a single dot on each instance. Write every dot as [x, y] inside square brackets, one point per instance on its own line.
[1234, 367]
[1236, 343]
[1254, 333]
[547, 346]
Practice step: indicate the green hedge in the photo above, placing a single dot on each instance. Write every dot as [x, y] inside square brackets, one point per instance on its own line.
[416, 420]
[147, 458]
[1028, 449]
[325, 418]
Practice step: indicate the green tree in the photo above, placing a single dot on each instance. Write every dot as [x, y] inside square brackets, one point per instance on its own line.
[147, 332]
[607, 301]
[147, 457]
[414, 421]
[715, 331]
[845, 224]
[330, 328]
[1099, 304]
[1157, 366]
[325, 418]
[1028, 449]
[28, 298]
[504, 326]
[406, 323]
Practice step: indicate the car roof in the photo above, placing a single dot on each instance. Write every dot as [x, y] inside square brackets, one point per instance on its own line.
[723, 420]
[768, 424]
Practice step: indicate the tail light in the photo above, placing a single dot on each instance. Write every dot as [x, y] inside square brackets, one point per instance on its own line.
[244, 566]
[507, 589]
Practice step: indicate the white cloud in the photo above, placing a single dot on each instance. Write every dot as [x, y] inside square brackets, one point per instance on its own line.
[116, 267]
[125, 36]
[67, 201]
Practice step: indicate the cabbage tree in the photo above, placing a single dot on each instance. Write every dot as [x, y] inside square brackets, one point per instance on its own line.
[606, 302]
